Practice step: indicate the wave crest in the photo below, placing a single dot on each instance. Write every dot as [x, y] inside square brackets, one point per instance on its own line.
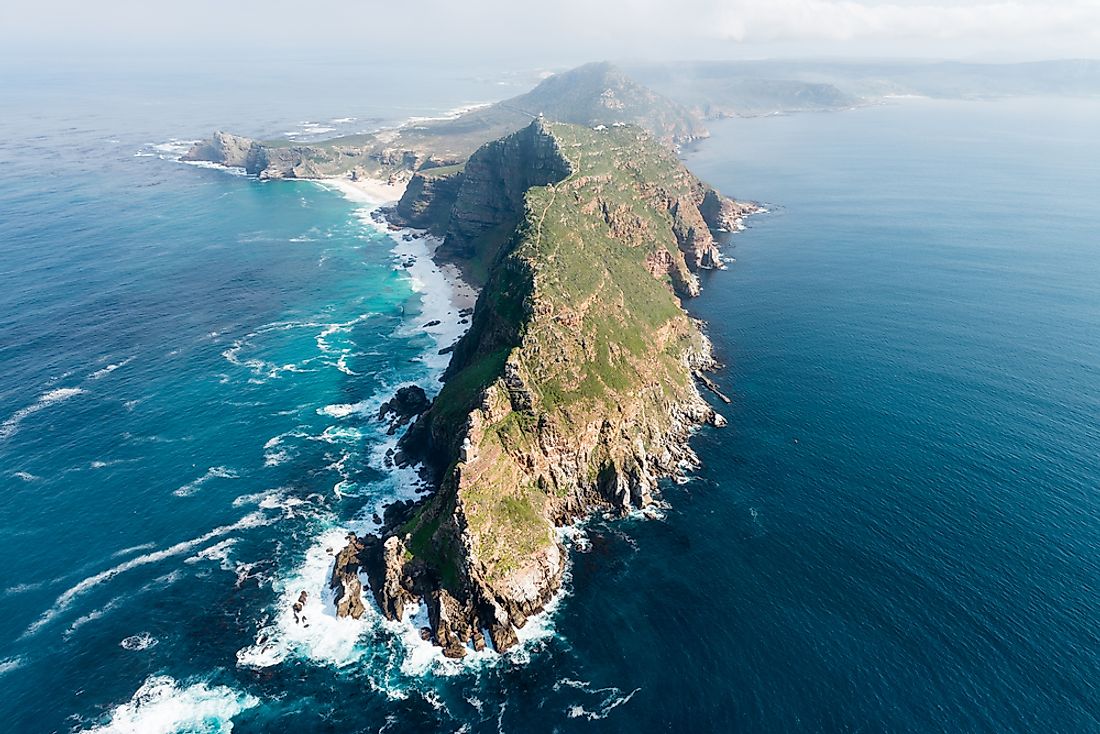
[162, 706]
[59, 395]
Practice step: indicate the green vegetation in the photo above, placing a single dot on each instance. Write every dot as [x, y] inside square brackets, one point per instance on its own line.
[462, 391]
[592, 335]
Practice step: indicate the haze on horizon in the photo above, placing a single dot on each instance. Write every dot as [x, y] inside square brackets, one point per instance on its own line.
[564, 32]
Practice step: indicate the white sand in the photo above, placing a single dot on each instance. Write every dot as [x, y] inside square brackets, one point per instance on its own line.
[368, 190]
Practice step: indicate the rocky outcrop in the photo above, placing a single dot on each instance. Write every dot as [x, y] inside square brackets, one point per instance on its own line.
[407, 403]
[574, 390]
[345, 581]
[225, 149]
[693, 235]
[259, 159]
[723, 214]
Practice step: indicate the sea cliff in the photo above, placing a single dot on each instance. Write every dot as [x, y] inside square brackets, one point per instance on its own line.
[574, 390]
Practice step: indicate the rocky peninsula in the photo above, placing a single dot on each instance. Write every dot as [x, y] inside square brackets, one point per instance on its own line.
[577, 386]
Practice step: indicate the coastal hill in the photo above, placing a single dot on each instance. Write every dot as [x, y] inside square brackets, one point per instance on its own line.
[714, 89]
[593, 94]
[575, 388]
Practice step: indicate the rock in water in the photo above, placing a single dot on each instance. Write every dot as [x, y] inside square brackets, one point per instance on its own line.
[350, 603]
[345, 580]
[391, 593]
[407, 403]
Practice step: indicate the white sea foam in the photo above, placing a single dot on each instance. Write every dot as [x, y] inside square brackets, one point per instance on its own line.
[97, 613]
[321, 637]
[342, 365]
[133, 549]
[24, 588]
[263, 369]
[158, 584]
[607, 699]
[443, 292]
[65, 600]
[330, 329]
[339, 435]
[26, 476]
[141, 641]
[275, 450]
[343, 410]
[13, 663]
[214, 472]
[59, 395]
[278, 499]
[101, 373]
[310, 129]
[324, 638]
[442, 296]
[164, 706]
[343, 352]
[218, 552]
[174, 145]
[100, 464]
[231, 170]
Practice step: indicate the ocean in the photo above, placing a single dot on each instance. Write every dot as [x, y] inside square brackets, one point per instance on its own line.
[898, 531]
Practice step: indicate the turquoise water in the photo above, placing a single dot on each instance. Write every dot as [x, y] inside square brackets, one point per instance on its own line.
[897, 532]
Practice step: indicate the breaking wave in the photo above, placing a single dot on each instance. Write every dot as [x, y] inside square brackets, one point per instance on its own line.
[214, 472]
[65, 600]
[163, 706]
[59, 395]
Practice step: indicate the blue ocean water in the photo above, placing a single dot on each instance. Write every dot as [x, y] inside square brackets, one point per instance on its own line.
[898, 531]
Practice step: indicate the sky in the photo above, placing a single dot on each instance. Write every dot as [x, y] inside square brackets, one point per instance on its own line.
[564, 31]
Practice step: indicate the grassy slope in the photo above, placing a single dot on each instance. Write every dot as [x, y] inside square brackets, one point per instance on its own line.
[598, 333]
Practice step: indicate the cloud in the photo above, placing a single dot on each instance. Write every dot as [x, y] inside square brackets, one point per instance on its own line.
[847, 20]
[577, 29]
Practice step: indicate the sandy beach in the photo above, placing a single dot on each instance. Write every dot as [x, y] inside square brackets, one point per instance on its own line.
[368, 190]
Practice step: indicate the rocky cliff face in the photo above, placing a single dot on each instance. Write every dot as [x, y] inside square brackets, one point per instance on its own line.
[226, 149]
[272, 161]
[489, 203]
[428, 200]
[572, 392]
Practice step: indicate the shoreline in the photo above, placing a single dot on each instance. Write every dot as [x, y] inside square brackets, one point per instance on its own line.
[378, 193]
[371, 191]
[444, 297]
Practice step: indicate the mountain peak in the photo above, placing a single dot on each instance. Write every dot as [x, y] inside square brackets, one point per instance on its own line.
[599, 93]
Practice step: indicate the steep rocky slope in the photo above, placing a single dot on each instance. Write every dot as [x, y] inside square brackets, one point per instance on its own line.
[594, 94]
[574, 389]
